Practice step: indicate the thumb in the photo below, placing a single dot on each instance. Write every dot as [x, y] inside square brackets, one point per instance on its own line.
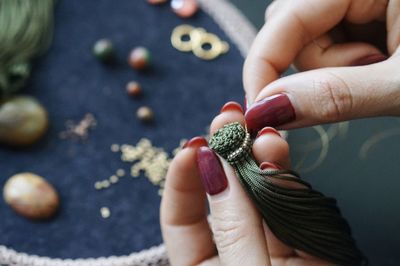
[328, 95]
[236, 224]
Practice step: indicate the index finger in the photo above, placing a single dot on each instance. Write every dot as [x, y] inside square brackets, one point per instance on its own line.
[292, 25]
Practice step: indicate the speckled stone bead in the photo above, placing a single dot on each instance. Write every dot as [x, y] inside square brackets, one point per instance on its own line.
[23, 121]
[104, 50]
[139, 58]
[31, 196]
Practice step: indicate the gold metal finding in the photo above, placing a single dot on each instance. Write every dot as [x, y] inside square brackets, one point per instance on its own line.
[203, 44]
[216, 47]
[181, 38]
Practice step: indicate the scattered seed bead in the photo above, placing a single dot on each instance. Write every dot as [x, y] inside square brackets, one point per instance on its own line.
[120, 172]
[105, 183]
[114, 179]
[105, 212]
[145, 114]
[184, 8]
[98, 185]
[115, 148]
[134, 89]
[139, 58]
[103, 50]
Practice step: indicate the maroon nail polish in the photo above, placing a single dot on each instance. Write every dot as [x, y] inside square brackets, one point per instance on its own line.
[231, 106]
[211, 172]
[265, 165]
[196, 142]
[371, 59]
[268, 130]
[273, 111]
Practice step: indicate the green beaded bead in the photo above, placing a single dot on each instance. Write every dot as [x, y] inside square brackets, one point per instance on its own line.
[103, 49]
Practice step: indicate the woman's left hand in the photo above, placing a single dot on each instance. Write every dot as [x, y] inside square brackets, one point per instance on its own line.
[238, 235]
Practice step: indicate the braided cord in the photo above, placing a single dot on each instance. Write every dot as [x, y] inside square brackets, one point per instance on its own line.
[297, 214]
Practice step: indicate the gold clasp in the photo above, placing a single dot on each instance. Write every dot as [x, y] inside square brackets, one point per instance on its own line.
[203, 44]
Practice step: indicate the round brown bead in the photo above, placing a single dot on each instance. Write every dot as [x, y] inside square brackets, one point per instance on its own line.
[134, 89]
[156, 2]
[145, 114]
[139, 58]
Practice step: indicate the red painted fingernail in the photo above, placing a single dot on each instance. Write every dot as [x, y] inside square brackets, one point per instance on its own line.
[211, 172]
[265, 165]
[371, 59]
[231, 106]
[196, 142]
[273, 111]
[268, 130]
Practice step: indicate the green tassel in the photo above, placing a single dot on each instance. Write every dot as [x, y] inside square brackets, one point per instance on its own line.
[302, 218]
[26, 28]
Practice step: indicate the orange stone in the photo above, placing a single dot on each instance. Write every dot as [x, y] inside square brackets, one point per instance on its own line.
[184, 8]
[31, 196]
[156, 2]
[134, 89]
[139, 58]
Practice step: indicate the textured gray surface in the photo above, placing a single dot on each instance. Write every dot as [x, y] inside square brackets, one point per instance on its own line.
[253, 9]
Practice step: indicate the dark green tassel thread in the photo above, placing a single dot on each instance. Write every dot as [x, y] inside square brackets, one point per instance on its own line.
[26, 28]
[300, 217]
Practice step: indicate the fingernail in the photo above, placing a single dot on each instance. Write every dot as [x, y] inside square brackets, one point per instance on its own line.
[273, 111]
[231, 106]
[265, 165]
[211, 171]
[196, 142]
[268, 130]
[371, 59]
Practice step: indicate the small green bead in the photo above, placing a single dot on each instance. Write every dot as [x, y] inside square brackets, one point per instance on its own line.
[103, 50]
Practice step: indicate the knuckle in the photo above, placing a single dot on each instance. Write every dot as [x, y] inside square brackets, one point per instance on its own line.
[332, 98]
[229, 231]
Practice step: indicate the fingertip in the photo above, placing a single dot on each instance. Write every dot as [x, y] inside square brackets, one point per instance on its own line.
[270, 147]
[196, 142]
[228, 115]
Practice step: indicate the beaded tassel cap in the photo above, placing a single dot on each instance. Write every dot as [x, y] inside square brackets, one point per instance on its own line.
[301, 217]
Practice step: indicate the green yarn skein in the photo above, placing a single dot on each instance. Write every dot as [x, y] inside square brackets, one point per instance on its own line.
[26, 28]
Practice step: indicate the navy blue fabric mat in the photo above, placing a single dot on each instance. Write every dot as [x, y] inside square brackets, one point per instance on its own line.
[184, 91]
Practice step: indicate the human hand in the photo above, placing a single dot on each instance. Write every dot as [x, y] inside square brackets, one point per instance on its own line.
[338, 44]
[237, 235]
